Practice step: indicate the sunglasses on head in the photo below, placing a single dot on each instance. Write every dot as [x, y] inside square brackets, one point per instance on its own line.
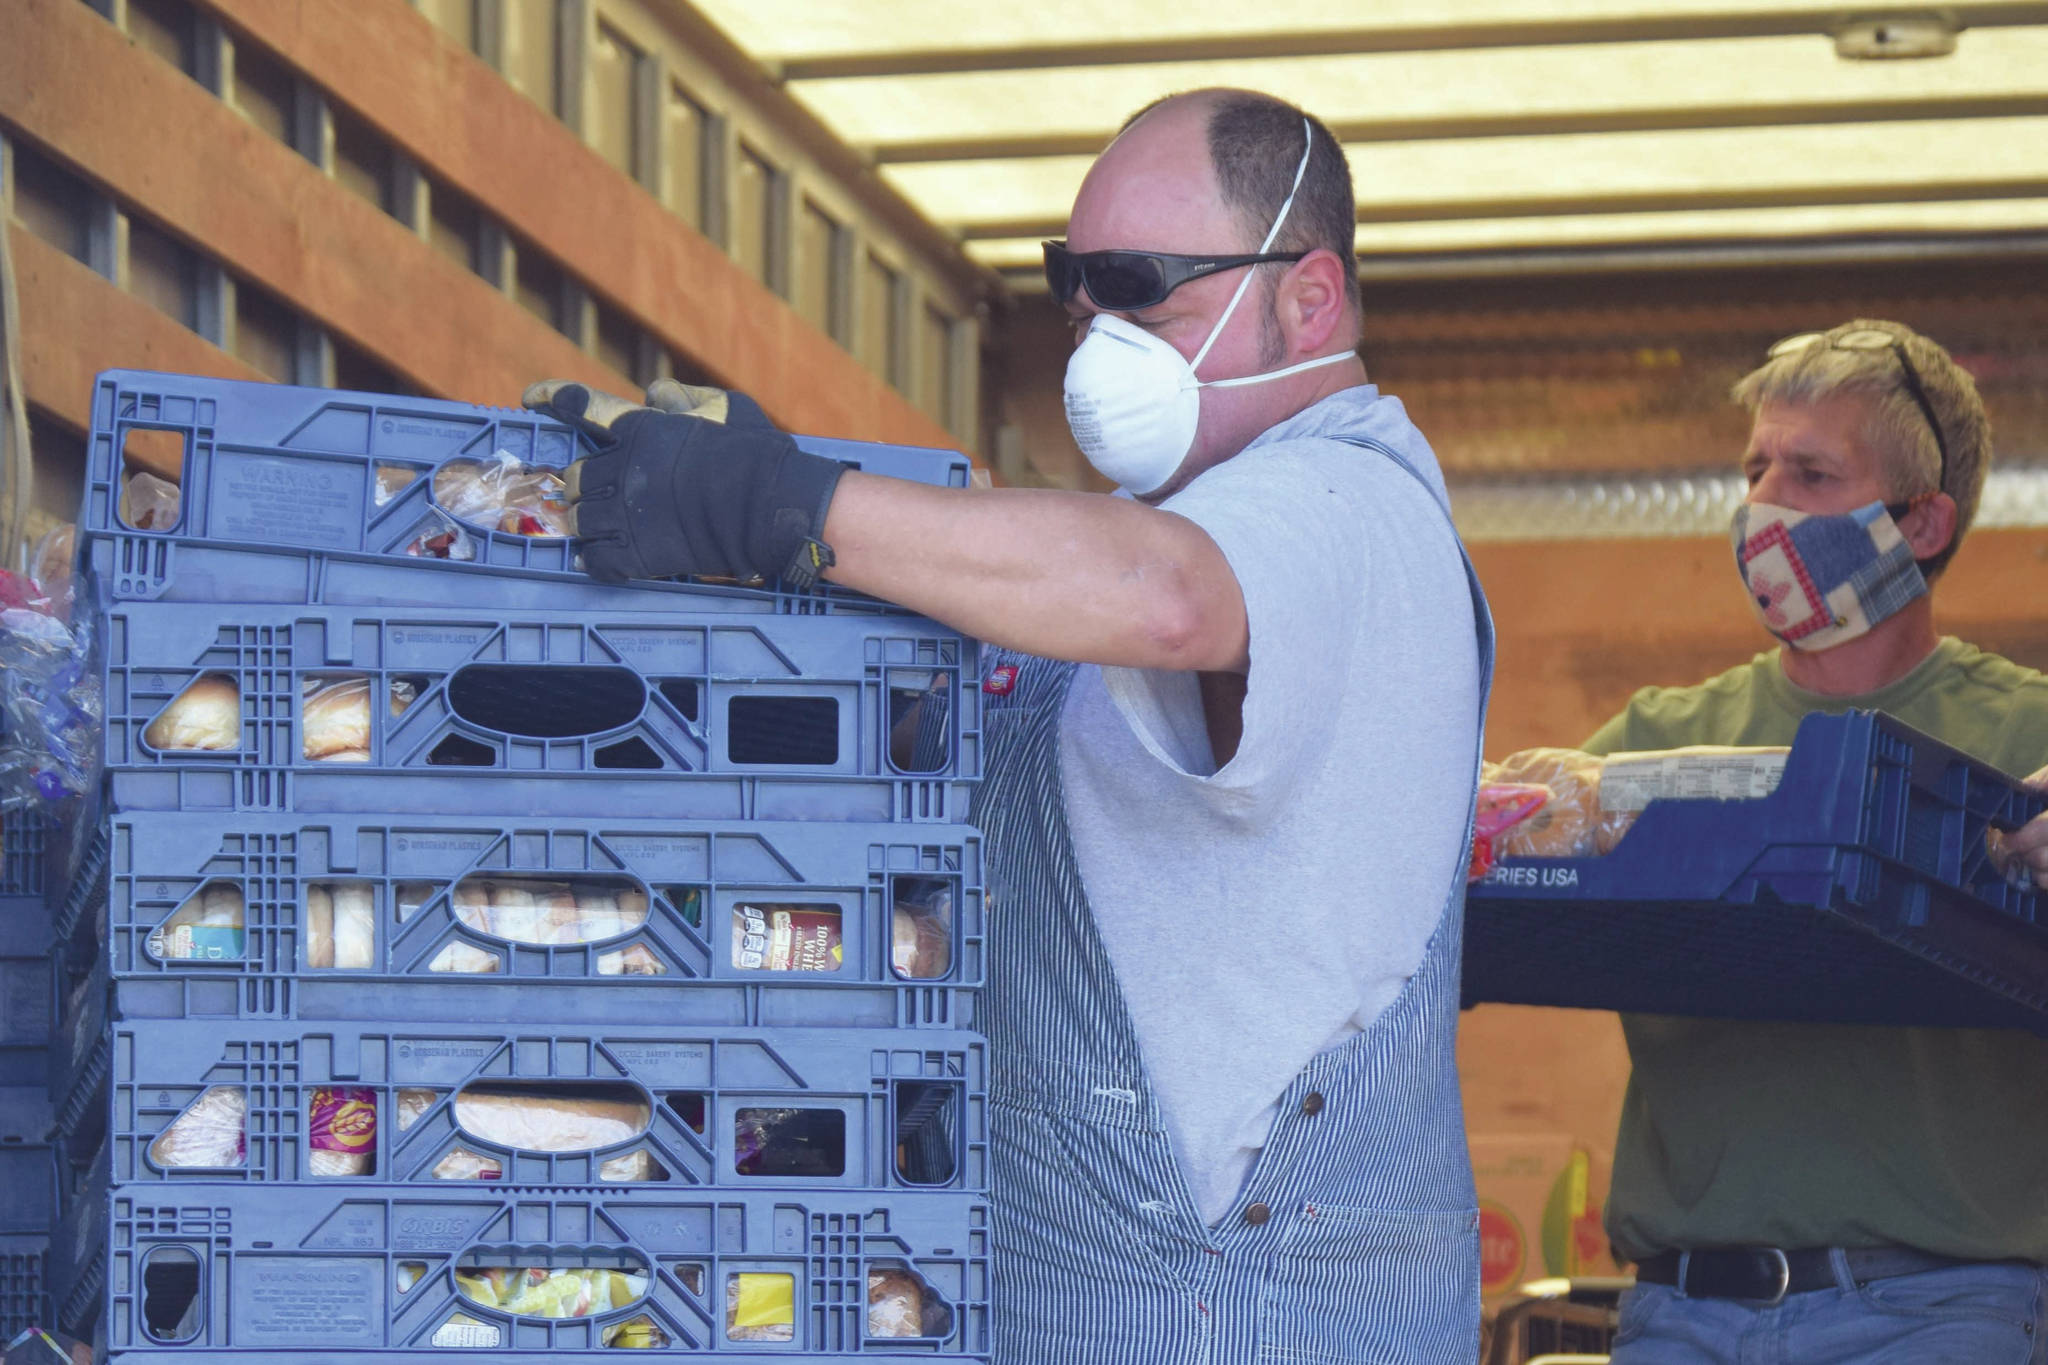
[1871, 339]
[1124, 281]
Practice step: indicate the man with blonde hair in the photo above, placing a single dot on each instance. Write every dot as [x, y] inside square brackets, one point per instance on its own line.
[1827, 1194]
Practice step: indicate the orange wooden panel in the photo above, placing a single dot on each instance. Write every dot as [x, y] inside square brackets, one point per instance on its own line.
[248, 200]
[456, 116]
[75, 324]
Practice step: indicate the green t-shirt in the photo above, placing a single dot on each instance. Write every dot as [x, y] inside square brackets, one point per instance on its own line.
[1803, 1135]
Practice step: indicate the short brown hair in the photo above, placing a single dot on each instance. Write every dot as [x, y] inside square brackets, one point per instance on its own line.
[1896, 428]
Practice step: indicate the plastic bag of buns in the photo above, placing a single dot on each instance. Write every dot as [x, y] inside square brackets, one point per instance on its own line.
[206, 716]
[503, 494]
[1589, 802]
[211, 1131]
[148, 503]
[899, 1307]
[341, 925]
[921, 935]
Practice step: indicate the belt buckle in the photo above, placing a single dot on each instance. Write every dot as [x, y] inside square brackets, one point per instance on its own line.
[1784, 1268]
[1784, 1278]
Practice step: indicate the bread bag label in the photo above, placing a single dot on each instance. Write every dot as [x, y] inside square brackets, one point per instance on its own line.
[1629, 782]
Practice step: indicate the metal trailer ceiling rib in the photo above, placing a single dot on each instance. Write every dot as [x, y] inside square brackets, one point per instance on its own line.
[1478, 130]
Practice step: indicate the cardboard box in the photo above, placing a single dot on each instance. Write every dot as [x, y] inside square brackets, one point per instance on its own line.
[1540, 1198]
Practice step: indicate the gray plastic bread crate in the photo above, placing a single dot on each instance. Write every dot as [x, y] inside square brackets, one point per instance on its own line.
[175, 1273]
[414, 710]
[300, 495]
[828, 1109]
[689, 902]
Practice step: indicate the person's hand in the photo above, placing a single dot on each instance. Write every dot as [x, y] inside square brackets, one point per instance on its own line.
[2022, 854]
[700, 483]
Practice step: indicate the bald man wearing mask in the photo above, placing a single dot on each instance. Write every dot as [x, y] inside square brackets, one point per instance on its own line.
[1232, 728]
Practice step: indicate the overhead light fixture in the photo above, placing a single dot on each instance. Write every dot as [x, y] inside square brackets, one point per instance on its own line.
[1896, 36]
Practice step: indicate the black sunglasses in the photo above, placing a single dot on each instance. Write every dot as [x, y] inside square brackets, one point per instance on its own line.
[1871, 339]
[1123, 281]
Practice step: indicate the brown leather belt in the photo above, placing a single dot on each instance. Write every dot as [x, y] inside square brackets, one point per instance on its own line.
[1765, 1275]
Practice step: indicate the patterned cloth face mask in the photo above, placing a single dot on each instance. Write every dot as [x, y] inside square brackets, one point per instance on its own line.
[1817, 581]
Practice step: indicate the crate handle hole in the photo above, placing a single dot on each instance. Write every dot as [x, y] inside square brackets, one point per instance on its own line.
[460, 751]
[547, 701]
[171, 1301]
[789, 1142]
[927, 1120]
[152, 477]
[782, 731]
[630, 752]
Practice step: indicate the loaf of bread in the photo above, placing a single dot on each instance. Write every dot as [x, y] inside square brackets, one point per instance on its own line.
[539, 1120]
[341, 925]
[335, 717]
[206, 715]
[896, 1304]
[527, 910]
[209, 1133]
[920, 942]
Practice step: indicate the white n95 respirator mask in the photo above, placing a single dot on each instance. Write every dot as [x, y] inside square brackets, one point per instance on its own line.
[1133, 401]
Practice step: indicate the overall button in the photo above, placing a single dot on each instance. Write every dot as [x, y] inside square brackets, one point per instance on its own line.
[1312, 1103]
[1256, 1214]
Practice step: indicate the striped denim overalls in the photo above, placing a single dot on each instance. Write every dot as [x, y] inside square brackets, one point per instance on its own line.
[1355, 1238]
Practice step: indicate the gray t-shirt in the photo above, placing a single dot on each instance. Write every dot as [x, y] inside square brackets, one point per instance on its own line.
[1262, 913]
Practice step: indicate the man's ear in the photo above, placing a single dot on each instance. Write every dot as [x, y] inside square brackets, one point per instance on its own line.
[1930, 525]
[1310, 302]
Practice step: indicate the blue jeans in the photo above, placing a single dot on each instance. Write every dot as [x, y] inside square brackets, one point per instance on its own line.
[1989, 1314]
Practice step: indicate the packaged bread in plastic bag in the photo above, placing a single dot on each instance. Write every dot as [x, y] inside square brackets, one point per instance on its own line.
[206, 928]
[899, 1307]
[760, 1306]
[206, 716]
[1565, 803]
[341, 925]
[211, 1131]
[341, 1130]
[545, 1292]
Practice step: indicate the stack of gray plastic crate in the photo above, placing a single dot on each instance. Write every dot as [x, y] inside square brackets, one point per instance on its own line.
[466, 955]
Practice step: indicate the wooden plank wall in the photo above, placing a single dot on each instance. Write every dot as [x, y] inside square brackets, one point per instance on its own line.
[85, 95]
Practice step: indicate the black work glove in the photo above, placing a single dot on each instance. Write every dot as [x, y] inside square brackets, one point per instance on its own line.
[701, 484]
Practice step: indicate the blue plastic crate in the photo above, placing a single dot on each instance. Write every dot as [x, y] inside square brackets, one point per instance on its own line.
[281, 501]
[699, 717]
[691, 898]
[25, 1007]
[28, 1215]
[752, 1110]
[1858, 892]
[24, 1284]
[234, 1272]
[24, 840]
